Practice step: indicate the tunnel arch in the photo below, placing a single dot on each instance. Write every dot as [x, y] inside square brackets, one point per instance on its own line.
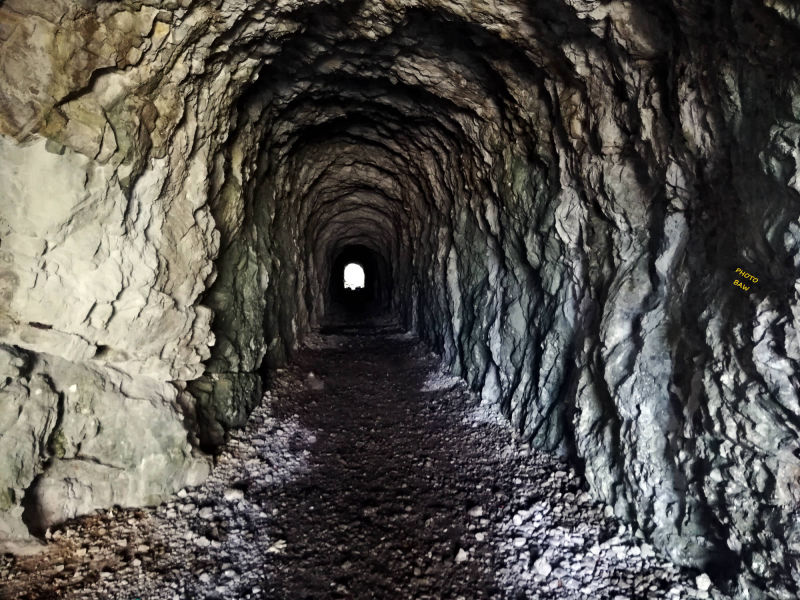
[546, 190]
[375, 297]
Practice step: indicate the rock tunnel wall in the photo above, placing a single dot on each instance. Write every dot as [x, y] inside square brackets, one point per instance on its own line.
[561, 191]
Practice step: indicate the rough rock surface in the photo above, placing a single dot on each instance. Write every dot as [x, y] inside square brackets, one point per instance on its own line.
[560, 193]
[105, 439]
[384, 485]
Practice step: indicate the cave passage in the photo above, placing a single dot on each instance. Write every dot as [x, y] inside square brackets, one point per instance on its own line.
[588, 209]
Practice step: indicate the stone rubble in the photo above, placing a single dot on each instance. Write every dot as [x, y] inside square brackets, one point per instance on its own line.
[207, 538]
[523, 524]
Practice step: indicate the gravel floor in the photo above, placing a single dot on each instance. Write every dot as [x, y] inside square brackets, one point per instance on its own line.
[375, 477]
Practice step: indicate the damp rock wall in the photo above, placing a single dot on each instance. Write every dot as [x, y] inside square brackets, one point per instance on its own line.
[561, 193]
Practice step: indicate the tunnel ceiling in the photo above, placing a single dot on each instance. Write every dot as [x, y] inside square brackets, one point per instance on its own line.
[589, 208]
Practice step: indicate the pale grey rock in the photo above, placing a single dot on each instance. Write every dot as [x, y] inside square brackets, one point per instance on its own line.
[102, 448]
[29, 413]
[703, 582]
[542, 567]
[233, 494]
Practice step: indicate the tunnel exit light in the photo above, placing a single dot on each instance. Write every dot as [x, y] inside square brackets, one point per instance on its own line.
[353, 277]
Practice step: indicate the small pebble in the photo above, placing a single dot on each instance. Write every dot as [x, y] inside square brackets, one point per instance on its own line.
[703, 582]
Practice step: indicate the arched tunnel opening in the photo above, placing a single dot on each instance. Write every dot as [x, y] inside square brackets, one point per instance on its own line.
[588, 211]
[360, 285]
[353, 276]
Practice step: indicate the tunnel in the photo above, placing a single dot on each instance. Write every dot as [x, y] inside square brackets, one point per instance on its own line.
[587, 210]
[367, 295]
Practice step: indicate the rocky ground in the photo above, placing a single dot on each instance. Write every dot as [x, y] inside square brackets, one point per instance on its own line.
[364, 473]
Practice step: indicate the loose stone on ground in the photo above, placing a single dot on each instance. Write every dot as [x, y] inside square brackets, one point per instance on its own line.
[384, 479]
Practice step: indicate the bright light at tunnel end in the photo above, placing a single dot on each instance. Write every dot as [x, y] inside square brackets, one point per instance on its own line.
[353, 276]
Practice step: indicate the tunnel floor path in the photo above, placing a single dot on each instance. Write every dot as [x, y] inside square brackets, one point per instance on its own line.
[365, 473]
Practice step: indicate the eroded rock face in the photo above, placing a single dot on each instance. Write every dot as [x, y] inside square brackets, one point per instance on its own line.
[562, 192]
[76, 437]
